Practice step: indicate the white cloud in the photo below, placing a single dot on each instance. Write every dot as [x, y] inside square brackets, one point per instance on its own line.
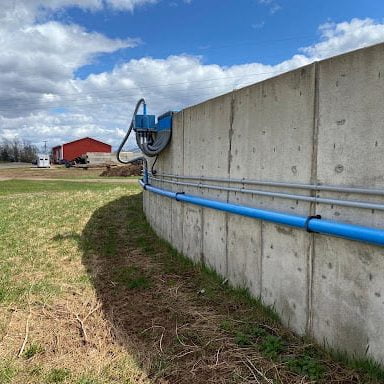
[128, 4]
[272, 4]
[346, 36]
[258, 25]
[37, 75]
[24, 7]
[37, 61]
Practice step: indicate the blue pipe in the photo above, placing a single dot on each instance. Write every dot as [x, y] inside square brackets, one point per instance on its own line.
[311, 223]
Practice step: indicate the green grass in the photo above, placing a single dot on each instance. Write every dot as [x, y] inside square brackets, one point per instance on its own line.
[57, 375]
[365, 366]
[47, 229]
[132, 278]
[11, 187]
[82, 175]
[87, 380]
[43, 222]
[307, 366]
[32, 350]
[272, 346]
[7, 372]
[41, 225]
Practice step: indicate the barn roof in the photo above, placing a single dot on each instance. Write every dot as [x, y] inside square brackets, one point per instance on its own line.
[86, 138]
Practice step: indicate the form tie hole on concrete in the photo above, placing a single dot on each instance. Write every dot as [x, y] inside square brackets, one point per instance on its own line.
[339, 168]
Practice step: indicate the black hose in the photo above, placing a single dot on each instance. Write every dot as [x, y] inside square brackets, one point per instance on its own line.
[154, 142]
[141, 101]
[161, 141]
[153, 171]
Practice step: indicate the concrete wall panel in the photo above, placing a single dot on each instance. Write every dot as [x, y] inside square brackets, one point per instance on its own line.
[273, 128]
[214, 240]
[322, 123]
[206, 137]
[177, 225]
[192, 233]
[351, 130]
[244, 253]
[284, 273]
[348, 296]
[177, 168]
[273, 139]
[351, 119]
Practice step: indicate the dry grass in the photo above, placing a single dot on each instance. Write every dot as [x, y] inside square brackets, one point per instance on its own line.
[89, 295]
[44, 284]
[55, 172]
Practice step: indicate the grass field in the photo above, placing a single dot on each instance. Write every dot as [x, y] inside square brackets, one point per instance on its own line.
[89, 295]
[56, 172]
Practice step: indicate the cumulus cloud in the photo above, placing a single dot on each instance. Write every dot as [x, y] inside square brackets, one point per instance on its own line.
[17, 10]
[37, 60]
[346, 36]
[40, 98]
[37, 63]
[128, 4]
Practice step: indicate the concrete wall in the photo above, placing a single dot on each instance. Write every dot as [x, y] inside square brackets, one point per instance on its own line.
[323, 123]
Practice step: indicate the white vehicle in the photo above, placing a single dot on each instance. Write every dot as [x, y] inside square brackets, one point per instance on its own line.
[43, 161]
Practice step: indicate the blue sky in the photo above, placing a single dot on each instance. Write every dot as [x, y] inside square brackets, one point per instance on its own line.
[224, 32]
[75, 68]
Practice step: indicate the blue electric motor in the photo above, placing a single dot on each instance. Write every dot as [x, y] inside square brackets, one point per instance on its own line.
[151, 137]
[145, 123]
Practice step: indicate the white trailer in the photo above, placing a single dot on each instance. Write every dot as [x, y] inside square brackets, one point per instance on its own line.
[43, 161]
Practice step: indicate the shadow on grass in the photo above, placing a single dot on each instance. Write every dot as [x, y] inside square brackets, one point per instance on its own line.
[180, 321]
[119, 253]
[170, 314]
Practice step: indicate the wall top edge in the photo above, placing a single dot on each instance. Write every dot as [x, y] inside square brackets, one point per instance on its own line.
[288, 73]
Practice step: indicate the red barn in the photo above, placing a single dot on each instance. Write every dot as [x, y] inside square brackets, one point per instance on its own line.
[72, 150]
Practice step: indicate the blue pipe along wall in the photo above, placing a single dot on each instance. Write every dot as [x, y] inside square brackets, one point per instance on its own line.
[309, 241]
[310, 223]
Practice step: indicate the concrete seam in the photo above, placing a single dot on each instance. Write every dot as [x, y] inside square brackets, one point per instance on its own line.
[226, 245]
[202, 258]
[230, 135]
[261, 258]
[184, 211]
[182, 204]
[202, 221]
[312, 207]
[315, 136]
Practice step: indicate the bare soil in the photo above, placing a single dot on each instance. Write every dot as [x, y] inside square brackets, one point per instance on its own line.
[123, 170]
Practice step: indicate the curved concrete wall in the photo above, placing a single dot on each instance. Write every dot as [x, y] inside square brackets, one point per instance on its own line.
[323, 123]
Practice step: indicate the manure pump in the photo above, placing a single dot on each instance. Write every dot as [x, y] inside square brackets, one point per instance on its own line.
[151, 137]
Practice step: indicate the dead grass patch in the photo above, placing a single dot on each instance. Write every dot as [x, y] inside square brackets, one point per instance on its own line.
[52, 326]
[56, 172]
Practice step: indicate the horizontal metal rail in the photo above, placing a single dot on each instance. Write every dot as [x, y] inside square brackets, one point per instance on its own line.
[310, 223]
[313, 187]
[321, 200]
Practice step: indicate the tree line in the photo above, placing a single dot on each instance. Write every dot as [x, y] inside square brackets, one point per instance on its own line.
[17, 150]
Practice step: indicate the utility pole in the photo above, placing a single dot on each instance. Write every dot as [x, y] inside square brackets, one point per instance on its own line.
[45, 146]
